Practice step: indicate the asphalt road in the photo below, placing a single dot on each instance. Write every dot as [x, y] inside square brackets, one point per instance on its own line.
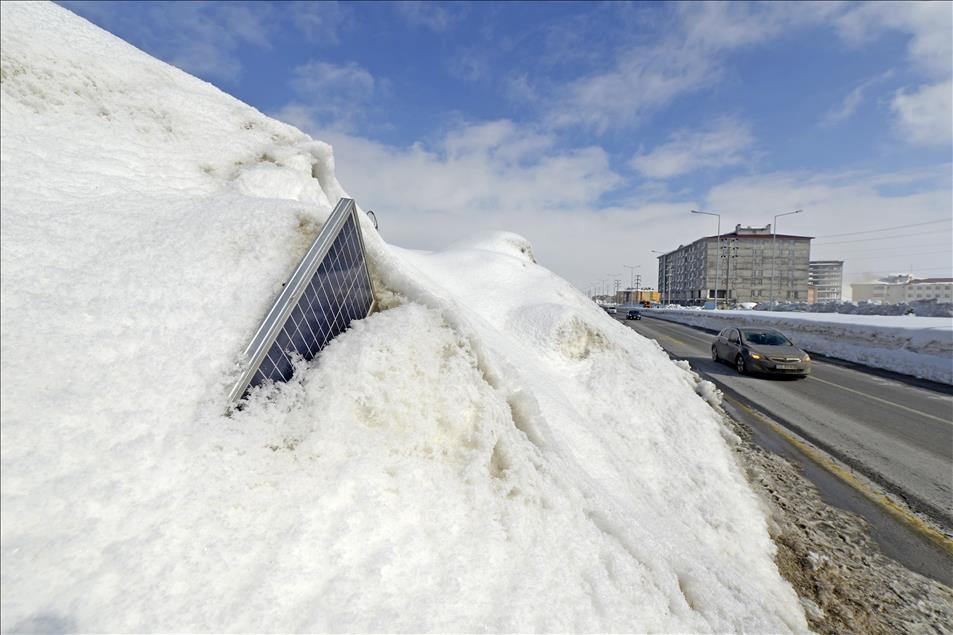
[896, 434]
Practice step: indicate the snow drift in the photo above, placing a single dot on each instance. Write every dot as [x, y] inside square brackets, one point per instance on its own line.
[489, 452]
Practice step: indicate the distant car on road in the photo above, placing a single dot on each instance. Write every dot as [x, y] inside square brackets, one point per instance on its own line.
[611, 310]
[633, 315]
[754, 350]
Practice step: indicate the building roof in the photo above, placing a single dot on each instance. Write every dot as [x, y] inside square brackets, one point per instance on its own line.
[735, 234]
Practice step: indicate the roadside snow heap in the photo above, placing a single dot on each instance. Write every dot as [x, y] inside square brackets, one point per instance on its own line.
[489, 452]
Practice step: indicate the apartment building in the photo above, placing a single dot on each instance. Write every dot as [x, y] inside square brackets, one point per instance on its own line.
[749, 264]
[826, 281]
[899, 288]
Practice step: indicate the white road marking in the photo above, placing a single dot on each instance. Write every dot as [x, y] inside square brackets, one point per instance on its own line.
[889, 403]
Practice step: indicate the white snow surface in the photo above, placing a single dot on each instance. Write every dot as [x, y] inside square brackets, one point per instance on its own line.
[908, 344]
[489, 453]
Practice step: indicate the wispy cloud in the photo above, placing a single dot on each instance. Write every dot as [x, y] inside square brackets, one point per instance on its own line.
[725, 143]
[845, 202]
[429, 15]
[930, 47]
[852, 101]
[319, 22]
[645, 78]
[336, 95]
[925, 116]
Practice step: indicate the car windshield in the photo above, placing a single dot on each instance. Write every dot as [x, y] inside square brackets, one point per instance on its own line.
[765, 338]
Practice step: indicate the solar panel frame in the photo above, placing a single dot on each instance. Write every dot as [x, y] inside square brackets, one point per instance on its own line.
[273, 329]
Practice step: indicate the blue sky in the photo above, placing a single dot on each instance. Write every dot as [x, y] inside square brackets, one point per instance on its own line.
[593, 129]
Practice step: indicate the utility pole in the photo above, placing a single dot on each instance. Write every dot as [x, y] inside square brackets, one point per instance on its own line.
[774, 248]
[731, 251]
[638, 288]
[612, 278]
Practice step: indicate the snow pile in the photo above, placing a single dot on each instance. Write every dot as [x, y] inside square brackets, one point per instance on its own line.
[490, 452]
[923, 308]
[913, 345]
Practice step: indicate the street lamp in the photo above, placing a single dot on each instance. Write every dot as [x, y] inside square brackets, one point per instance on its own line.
[774, 248]
[668, 293]
[717, 256]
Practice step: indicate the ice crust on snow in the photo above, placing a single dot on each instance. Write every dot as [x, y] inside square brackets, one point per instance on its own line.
[491, 452]
[908, 344]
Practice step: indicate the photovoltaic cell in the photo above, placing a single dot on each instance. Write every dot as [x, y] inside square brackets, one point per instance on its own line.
[330, 288]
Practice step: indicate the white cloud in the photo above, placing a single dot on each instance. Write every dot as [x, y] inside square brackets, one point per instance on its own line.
[332, 94]
[641, 82]
[925, 117]
[727, 142]
[927, 23]
[853, 100]
[502, 176]
[850, 202]
[646, 78]
[429, 15]
[322, 79]
[319, 22]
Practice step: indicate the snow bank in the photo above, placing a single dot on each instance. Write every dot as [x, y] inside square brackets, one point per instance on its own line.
[913, 345]
[490, 452]
[922, 308]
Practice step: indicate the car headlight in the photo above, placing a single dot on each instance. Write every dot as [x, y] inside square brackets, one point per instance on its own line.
[806, 358]
[754, 355]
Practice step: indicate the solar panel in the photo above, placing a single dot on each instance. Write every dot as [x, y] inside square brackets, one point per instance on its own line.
[330, 288]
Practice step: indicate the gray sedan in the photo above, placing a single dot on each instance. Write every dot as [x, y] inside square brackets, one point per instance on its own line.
[760, 350]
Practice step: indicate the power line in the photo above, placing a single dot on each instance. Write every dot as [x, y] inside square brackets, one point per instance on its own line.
[908, 256]
[874, 231]
[917, 268]
[864, 240]
[867, 250]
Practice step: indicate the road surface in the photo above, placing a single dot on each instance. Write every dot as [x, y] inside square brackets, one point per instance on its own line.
[893, 432]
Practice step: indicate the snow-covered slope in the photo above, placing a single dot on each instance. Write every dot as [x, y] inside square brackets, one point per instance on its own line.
[490, 452]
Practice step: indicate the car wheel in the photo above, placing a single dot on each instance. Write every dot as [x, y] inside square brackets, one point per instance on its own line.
[714, 354]
[740, 365]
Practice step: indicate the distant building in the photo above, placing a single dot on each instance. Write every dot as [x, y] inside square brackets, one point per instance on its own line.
[903, 288]
[825, 281]
[751, 265]
[638, 296]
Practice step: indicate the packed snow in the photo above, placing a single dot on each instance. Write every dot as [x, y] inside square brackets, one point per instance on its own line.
[489, 452]
[908, 344]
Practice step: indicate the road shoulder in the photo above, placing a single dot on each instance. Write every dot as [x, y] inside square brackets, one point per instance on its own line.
[844, 581]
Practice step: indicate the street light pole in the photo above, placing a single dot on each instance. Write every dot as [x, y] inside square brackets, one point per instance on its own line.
[717, 256]
[774, 248]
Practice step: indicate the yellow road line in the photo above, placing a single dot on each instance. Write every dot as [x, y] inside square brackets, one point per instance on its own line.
[828, 463]
[889, 403]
